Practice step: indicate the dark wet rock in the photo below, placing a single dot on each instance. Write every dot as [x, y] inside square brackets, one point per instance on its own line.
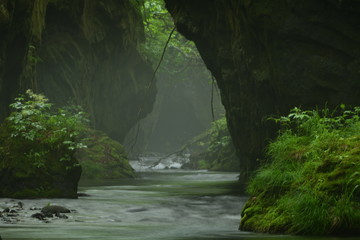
[60, 215]
[49, 211]
[137, 210]
[20, 205]
[12, 211]
[6, 219]
[6, 210]
[12, 215]
[39, 216]
[58, 180]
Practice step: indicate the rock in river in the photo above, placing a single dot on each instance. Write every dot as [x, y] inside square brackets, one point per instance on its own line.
[48, 211]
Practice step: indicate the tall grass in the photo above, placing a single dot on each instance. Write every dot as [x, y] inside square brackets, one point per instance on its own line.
[309, 183]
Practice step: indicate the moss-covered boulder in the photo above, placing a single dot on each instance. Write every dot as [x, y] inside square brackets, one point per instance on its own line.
[42, 148]
[32, 170]
[37, 150]
[103, 157]
[311, 184]
[213, 150]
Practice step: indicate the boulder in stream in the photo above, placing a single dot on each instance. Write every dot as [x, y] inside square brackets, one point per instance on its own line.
[104, 157]
[51, 210]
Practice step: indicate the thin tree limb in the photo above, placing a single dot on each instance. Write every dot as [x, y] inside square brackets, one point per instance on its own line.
[148, 88]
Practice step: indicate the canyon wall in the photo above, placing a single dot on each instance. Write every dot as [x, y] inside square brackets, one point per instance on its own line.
[269, 56]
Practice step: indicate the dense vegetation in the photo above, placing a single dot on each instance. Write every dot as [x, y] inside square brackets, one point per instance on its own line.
[213, 149]
[181, 53]
[42, 148]
[183, 103]
[103, 157]
[37, 148]
[310, 181]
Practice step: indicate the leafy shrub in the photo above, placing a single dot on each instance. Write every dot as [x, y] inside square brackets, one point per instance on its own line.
[34, 119]
[213, 150]
[37, 149]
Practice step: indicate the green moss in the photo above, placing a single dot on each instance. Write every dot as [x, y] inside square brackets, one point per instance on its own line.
[103, 158]
[310, 184]
[37, 148]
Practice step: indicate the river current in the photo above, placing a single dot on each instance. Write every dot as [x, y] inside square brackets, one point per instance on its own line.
[159, 204]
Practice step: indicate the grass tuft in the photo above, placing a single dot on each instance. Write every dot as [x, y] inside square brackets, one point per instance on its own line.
[309, 183]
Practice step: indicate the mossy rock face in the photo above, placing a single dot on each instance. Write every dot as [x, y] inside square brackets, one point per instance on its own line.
[31, 169]
[103, 157]
[221, 159]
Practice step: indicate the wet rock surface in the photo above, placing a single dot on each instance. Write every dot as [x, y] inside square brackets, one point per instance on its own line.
[50, 210]
[12, 212]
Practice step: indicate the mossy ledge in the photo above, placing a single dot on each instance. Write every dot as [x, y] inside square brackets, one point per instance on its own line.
[311, 185]
[104, 158]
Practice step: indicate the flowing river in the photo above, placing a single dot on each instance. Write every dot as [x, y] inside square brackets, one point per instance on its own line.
[160, 204]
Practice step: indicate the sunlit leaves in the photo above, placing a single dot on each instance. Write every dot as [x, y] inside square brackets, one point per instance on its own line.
[33, 119]
[158, 25]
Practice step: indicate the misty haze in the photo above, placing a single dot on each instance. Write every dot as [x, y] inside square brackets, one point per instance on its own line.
[179, 120]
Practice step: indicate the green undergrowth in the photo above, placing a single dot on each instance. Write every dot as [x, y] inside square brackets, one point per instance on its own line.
[43, 150]
[309, 183]
[213, 150]
[103, 157]
[37, 149]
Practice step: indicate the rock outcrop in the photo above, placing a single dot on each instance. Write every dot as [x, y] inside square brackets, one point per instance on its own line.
[83, 51]
[269, 56]
[103, 158]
